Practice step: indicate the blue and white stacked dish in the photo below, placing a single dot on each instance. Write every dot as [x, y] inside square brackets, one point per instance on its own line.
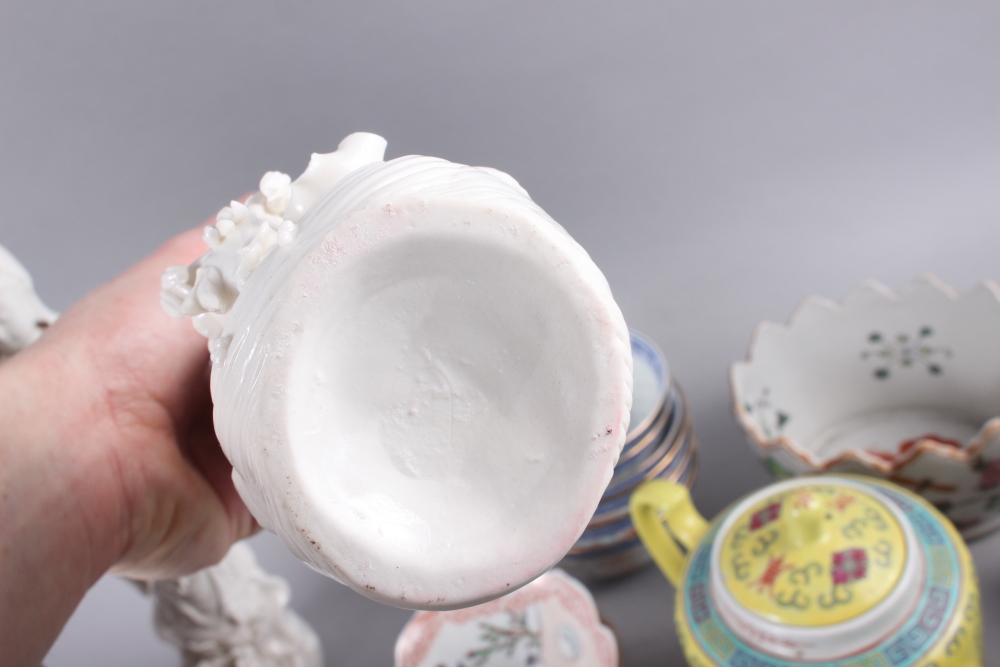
[660, 445]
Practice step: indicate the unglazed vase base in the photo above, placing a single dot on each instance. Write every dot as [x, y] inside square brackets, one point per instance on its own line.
[430, 406]
[434, 401]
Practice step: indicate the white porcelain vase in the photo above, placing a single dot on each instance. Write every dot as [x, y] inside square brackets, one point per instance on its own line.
[422, 382]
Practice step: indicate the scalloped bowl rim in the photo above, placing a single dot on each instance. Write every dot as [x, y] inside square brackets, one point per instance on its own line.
[987, 433]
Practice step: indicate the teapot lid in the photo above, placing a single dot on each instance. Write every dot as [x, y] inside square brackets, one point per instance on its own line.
[790, 556]
[822, 560]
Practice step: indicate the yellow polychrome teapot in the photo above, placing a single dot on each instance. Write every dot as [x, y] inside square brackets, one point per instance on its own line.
[838, 571]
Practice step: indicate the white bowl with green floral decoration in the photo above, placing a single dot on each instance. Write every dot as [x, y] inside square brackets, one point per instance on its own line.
[900, 385]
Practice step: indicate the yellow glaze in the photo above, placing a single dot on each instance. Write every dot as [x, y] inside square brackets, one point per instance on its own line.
[656, 507]
[813, 555]
[659, 501]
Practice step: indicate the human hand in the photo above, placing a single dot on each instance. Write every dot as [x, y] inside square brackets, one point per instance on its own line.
[108, 456]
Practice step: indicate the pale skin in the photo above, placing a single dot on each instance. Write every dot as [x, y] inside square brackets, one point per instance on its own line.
[108, 456]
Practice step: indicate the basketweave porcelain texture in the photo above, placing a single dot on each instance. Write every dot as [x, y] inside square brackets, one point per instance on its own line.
[900, 385]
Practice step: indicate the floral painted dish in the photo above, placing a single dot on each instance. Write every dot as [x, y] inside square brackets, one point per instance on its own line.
[553, 621]
[903, 386]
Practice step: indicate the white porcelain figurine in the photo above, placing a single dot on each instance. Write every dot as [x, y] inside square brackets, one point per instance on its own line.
[233, 615]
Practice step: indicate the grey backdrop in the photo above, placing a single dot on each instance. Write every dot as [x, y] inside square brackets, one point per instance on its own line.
[720, 161]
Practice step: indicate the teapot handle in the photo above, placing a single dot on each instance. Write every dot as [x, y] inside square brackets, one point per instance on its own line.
[680, 523]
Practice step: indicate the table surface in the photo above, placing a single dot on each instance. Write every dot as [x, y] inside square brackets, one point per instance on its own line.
[719, 162]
